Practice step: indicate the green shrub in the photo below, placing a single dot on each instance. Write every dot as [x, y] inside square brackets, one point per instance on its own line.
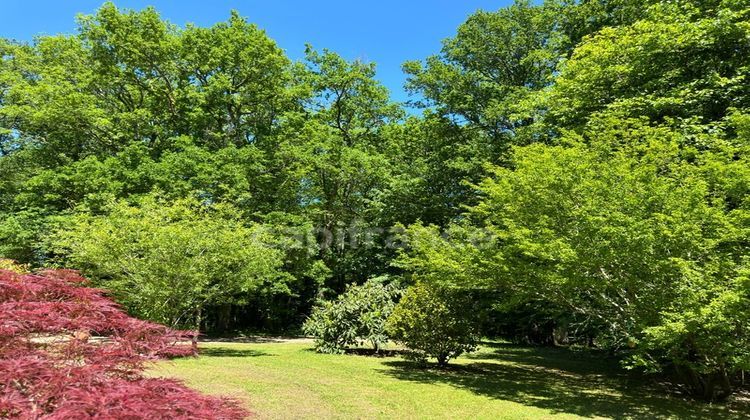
[168, 261]
[433, 322]
[355, 317]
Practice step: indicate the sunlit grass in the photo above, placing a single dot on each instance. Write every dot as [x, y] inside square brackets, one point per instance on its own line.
[289, 380]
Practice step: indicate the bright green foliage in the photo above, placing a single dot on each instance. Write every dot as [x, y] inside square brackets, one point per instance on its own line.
[167, 262]
[635, 247]
[433, 322]
[19, 237]
[11, 265]
[130, 76]
[488, 73]
[134, 105]
[703, 334]
[357, 316]
[683, 60]
[578, 19]
[433, 161]
[230, 174]
[632, 231]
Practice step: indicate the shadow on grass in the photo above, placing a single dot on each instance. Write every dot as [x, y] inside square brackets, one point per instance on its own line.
[580, 361]
[229, 352]
[562, 381]
[373, 353]
[357, 351]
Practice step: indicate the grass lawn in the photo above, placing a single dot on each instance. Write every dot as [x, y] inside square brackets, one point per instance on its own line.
[286, 379]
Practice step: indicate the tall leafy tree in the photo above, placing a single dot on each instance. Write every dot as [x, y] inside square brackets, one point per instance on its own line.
[639, 245]
[339, 152]
[133, 104]
[486, 77]
[632, 228]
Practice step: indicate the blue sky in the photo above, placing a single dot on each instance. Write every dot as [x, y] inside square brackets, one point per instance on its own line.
[387, 32]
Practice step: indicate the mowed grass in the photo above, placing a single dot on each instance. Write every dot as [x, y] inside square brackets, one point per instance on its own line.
[286, 379]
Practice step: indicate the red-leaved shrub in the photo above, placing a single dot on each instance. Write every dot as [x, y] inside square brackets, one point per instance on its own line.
[68, 351]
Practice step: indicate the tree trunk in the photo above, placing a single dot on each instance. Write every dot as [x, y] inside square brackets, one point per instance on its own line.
[198, 319]
[704, 385]
[197, 328]
[442, 360]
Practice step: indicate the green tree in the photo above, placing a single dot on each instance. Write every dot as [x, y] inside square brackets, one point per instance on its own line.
[433, 322]
[634, 241]
[487, 76]
[633, 227]
[339, 158]
[683, 60]
[433, 162]
[167, 262]
[133, 104]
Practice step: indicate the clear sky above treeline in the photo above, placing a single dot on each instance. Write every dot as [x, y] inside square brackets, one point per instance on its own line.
[387, 32]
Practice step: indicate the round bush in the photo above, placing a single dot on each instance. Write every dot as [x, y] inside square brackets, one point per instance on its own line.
[433, 322]
[357, 316]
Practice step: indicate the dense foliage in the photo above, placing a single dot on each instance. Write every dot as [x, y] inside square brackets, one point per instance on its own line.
[356, 316]
[68, 351]
[433, 322]
[582, 166]
[630, 231]
[169, 261]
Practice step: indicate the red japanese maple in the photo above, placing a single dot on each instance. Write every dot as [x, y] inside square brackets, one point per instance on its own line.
[68, 351]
